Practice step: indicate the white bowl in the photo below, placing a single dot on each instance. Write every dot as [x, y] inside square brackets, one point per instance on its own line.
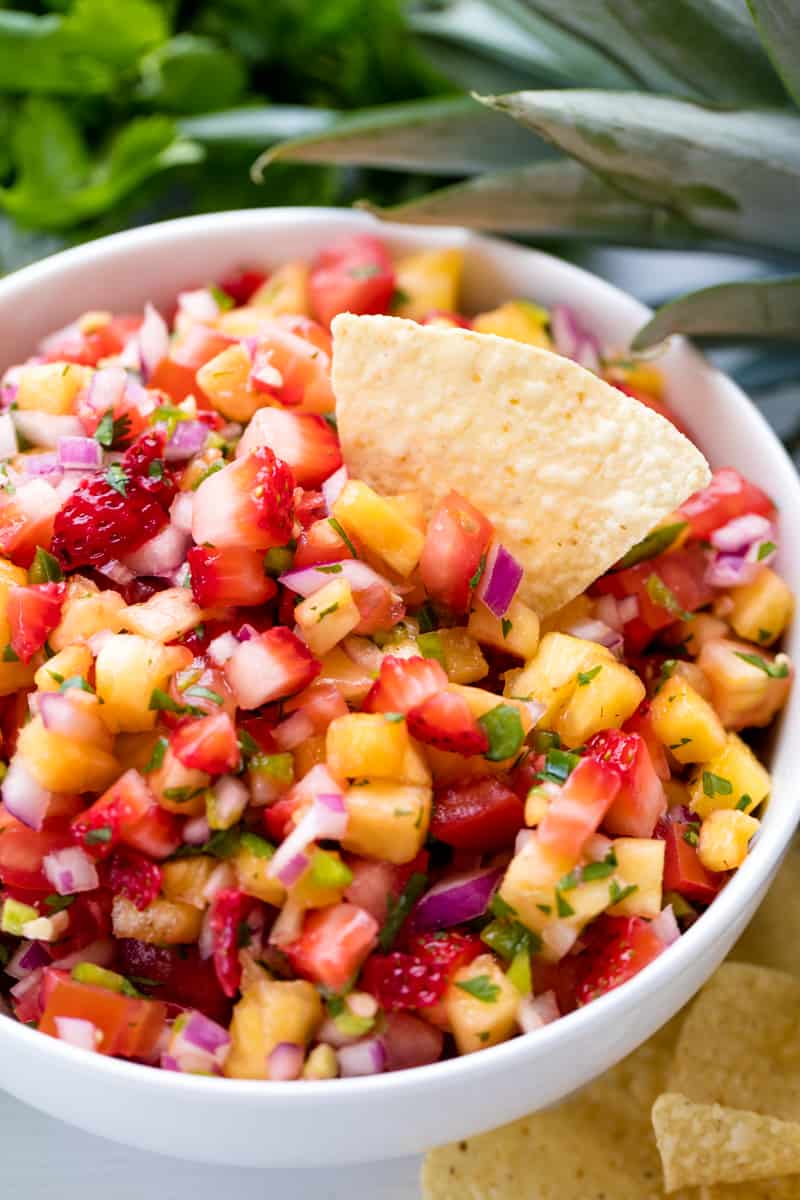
[312, 1124]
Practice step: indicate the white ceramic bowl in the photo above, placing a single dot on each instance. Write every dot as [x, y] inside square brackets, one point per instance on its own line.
[312, 1124]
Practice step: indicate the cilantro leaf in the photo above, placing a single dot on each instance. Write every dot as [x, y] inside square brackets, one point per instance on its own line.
[655, 543]
[775, 670]
[481, 987]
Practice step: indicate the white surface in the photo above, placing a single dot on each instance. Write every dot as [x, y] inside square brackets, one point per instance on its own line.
[350, 1120]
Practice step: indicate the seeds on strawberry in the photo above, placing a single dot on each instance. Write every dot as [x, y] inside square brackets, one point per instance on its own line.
[445, 721]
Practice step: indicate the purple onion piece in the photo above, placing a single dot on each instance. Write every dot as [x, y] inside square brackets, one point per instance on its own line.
[285, 1062]
[308, 580]
[500, 580]
[362, 1058]
[460, 898]
[740, 533]
[203, 1033]
[188, 439]
[730, 570]
[23, 797]
[79, 453]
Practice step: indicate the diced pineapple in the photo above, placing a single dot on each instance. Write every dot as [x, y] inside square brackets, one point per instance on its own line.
[162, 923]
[308, 754]
[724, 839]
[312, 890]
[480, 701]
[604, 696]
[516, 633]
[178, 788]
[694, 676]
[134, 751]
[428, 282]
[165, 617]
[51, 387]
[61, 764]
[537, 803]
[251, 864]
[693, 634]
[727, 778]
[410, 505]
[685, 722]
[15, 675]
[481, 1005]
[552, 676]
[561, 621]
[380, 525]
[328, 616]
[86, 611]
[642, 376]
[352, 679]
[270, 1012]
[321, 1063]
[641, 865]
[517, 319]
[128, 669]
[677, 793]
[185, 879]
[387, 821]
[368, 746]
[69, 662]
[761, 610]
[529, 883]
[285, 292]
[743, 691]
[462, 656]
[225, 380]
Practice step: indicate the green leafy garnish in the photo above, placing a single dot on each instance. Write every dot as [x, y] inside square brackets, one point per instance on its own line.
[716, 785]
[764, 550]
[157, 756]
[664, 597]
[775, 670]
[57, 903]
[44, 568]
[397, 910]
[336, 525]
[9, 653]
[278, 560]
[279, 767]
[117, 479]
[257, 845]
[600, 870]
[161, 701]
[476, 578]
[558, 765]
[326, 612]
[394, 718]
[503, 727]
[99, 836]
[585, 677]
[332, 569]
[203, 693]
[655, 543]
[430, 645]
[110, 430]
[481, 987]
[506, 626]
[744, 802]
[691, 836]
[617, 894]
[224, 301]
[247, 743]
[79, 682]
[563, 907]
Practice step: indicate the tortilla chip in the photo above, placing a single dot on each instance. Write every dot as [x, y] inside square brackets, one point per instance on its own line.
[739, 1045]
[571, 471]
[773, 936]
[787, 1188]
[709, 1144]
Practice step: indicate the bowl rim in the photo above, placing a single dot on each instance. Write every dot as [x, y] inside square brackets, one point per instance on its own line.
[769, 848]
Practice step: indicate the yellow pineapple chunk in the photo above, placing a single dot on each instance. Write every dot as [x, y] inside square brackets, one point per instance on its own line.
[308, 754]
[463, 660]
[641, 865]
[517, 319]
[368, 746]
[724, 839]
[51, 387]
[481, 1005]
[13, 675]
[285, 292]
[761, 609]
[428, 282]
[530, 880]
[251, 864]
[312, 890]
[701, 627]
[748, 684]
[516, 633]
[552, 676]
[352, 679]
[178, 788]
[380, 525]
[128, 669]
[604, 696]
[642, 376]
[410, 505]
[225, 380]
[387, 820]
[71, 661]
[562, 620]
[61, 764]
[537, 803]
[86, 611]
[164, 617]
[685, 722]
[135, 750]
[270, 1012]
[733, 778]
[163, 923]
[694, 676]
[185, 879]
[328, 616]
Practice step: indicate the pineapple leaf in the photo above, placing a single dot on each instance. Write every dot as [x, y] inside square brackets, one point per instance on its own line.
[733, 174]
[450, 136]
[777, 24]
[257, 125]
[757, 308]
[560, 199]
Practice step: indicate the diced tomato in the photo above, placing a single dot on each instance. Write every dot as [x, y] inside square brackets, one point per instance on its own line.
[619, 948]
[207, 744]
[127, 813]
[642, 723]
[727, 496]
[303, 440]
[33, 612]
[445, 721]
[640, 800]
[379, 607]
[89, 921]
[456, 542]
[333, 944]
[477, 814]
[579, 808]
[87, 349]
[680, 574]
[248, 503]
[130, 1027]
[240, 285]
[177, 373]
[355, 274]
[279, 817]
[404, 683]
[683, 871]
[22, 851]
[320, 543]
[130, 414]
[229, 575]
[230, 909]
[174, 974]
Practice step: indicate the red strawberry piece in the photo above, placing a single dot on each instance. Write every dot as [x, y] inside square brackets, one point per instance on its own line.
[417, 978]
[240, 285]
[640, 800]
[230, 909]
[144, 463]
[404, 683]
[229, 575]
[248, 503]
[354, 274]
[477, 814]
[303, 440]
[309, 508]
[176, 974]
[99, 522]
[127, 812]
[619, 947]
[132, 875]
[33, 612]
[270, 666]
[445, 721]
[207, 744]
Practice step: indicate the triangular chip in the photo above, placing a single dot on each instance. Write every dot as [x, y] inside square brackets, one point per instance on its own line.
[708, 1144]
[772, 937]
[571, 471]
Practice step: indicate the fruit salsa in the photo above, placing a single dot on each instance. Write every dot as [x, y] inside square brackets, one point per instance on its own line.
[296, 784]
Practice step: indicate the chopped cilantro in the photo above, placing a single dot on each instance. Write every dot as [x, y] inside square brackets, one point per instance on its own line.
[507, 938]
[160, 701]
[44, 568]
[57, 904]
[330, 419]
[503, 727]
[110, 430]
[224, 301]
[278, 560]
[667, 671]
[398, 909]
[10, 654]
[157, 756]
[117, 479]
[664, 597]
[585, 677]
[481, 987]
[331, 569]
[399, 297]
[545, 908]
[99, 836]
[506, 626]
[764, 550]
[210, 470]
[55, 676]
[77, 681]
[336, 525]
[716, 785]
[394, 718]
[563, 908]
[775, 670]
[744, 802]
[430, 645]
[328, 871]
[481, 567]
[326, 612]
[203, 693]
[181, 795]
[559, 765]
[600, 870]
[691, 836]
[617, 894]
[655, 543]
[570, 881]
[248, 744]
[426, 619]
[764, 635]
[256, 845]
[156, 469]
[677, 745]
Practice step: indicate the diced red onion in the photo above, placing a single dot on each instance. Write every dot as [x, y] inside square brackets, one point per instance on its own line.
[522, 839]
[606, 610]
[153, 340]
[117, 572]
[566, 330]
[46, 429]
[587, 353]
[330, 1032]
[231, 798]
[326, 818]
[196, 831]
[362, 1058]
[245, 632]
[169, 1063]
[107, 388]
[71, 870]
[264, 375]
[628, 609]
[220, 879]
[199, 1045]
[30, 983]
[77, 1032]
[558, 938]
[500, 580]
[180, 514]
[29, 956]
[332, 486]
[160, 555]
[293, 731]
[188, 439]
[98, 640]
[60, 715]
[535, 1012]
[308, 580]
[205, 1034]
[459, 898]
[410, 1041]
[730, 570]
[288, 924]
[666, 927]
[740, 533]
[200, 305]
[79, 453]
[43, 464]
[291, 871]
[100, 952]
[599, 632]
[222, 647]
[23, 797]
[363, 652]
[285, 1062]
[8, 437]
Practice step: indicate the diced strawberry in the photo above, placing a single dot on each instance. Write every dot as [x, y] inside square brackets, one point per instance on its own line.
[99, 522]
[230, 909]
[619, 948]
[240, 285]
[483, 815]
[249, 503]
[354, 274]
[456, 543]
[279, 817]
[683, 871]
[322, 703]
[640, 800]
[727, 496]
[309, 507]
[410, 1041]
[127, 813]
[303, 440]
[177, 373]
[87, 349]
[178, 975]
[579, 808]
[229, 575]
[33, 612]
[131, 874]
[144, 464]
[319, 543]
[297, 352]
[26, 520]
[22, 852]
[204, 689]
[333, 944]
[664, 587]
[418, 975]
[271, 666]
[444, 720]
[642, 723]
[405, 683]
[207, 744]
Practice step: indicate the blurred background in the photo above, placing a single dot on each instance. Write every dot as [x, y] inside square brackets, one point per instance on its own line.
[657, 144]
